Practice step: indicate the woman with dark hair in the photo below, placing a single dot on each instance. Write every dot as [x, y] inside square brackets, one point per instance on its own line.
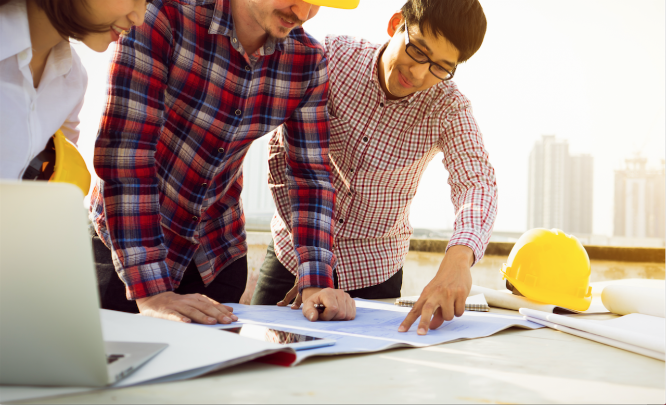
[42, 80]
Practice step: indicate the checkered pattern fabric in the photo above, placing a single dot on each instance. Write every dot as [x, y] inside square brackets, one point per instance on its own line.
[379, 150]
[185, 103]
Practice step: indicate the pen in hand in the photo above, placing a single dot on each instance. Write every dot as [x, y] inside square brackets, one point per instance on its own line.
[320, 307]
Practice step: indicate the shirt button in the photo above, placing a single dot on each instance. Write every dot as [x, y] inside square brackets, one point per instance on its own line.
[204, 185]
[247, 68]
[234, 40]
[381, 104]
[221, 150]
[351, 170]
[341, 220]
[195, 218]
[365, 139]
[350, 194]
[238, 112]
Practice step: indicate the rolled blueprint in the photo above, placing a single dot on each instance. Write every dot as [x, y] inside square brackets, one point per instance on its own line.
[631, 299]
[509, 301]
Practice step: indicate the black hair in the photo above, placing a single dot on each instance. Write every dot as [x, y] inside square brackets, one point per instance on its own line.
[461, 22]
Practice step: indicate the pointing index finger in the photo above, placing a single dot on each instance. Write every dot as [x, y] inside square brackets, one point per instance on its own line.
[412, 316]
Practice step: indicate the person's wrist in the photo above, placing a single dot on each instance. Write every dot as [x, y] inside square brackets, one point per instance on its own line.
[310, 291]
[141, 301]
[460, 254]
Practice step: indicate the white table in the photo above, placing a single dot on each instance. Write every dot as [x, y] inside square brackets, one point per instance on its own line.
[540, 366]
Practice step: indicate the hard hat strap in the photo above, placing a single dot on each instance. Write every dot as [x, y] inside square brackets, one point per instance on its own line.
[513, 289]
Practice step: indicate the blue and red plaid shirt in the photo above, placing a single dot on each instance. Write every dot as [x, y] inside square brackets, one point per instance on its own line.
[185, 103]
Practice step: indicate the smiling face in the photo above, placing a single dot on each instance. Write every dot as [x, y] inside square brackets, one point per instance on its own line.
[399, 74]
[278, 17]
[118, 15]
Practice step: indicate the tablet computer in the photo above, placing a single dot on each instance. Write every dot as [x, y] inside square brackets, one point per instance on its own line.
[298, 341]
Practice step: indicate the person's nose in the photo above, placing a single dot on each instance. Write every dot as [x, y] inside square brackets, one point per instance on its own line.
[137, 16]
[419, 71]
[302, 10]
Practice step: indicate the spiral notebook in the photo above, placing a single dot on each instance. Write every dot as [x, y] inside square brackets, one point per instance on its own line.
[473, 303]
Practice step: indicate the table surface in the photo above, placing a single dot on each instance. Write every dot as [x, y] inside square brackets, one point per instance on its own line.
[512, 366]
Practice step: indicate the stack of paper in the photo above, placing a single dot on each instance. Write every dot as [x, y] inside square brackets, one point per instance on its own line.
[638, 333]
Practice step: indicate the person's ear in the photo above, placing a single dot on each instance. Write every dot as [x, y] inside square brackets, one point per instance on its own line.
[394, 23]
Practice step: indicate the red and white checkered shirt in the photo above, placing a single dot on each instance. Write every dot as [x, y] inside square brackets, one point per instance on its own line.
[379, 150]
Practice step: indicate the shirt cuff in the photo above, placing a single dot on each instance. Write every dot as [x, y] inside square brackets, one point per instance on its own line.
[146, 280]
[315, 269]
[471, 239]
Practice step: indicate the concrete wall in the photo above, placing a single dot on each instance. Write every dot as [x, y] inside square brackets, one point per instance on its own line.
[425, 255]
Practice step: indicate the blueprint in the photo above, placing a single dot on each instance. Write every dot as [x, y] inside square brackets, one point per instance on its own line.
[375, 327]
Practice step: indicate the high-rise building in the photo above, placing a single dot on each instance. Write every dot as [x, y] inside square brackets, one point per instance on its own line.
[578, 212]
[559, 187]
[640, 200]
[257, 200]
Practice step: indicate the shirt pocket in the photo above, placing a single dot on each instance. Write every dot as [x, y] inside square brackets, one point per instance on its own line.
[340, 130]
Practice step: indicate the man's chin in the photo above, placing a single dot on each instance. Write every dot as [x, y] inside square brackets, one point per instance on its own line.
[280, 32]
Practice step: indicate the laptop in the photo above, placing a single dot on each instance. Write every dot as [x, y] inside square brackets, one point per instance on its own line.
[50, 326]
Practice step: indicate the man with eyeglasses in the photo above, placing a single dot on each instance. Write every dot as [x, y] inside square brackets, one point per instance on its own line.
[392, 109]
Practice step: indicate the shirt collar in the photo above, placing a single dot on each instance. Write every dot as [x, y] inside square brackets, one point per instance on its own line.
[374, 72]
[14, 30]
[222, 23]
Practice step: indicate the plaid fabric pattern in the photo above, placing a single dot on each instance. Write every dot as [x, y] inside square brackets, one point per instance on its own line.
[185, 103]
[379, 150]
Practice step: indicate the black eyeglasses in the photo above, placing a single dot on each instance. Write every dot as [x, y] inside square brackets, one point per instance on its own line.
[415, 53]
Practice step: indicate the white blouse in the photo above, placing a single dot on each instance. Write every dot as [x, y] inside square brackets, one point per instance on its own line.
[29, 116]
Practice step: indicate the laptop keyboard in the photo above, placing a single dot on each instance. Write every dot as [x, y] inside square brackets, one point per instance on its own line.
[110, 358]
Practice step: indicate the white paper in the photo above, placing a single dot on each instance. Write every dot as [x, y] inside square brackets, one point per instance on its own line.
[375, 327]
[504, 299]
[193, 350]
[636, 329]
[632, 299]
[600, 339]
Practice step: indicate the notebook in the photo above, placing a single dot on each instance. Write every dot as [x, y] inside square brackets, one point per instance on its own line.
[473, 303]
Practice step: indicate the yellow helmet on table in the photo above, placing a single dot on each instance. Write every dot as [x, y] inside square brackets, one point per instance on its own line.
[346, 4]
[551, 267]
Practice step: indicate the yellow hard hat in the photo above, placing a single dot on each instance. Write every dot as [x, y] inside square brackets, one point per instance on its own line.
[59, 162]
[69, 165]
[552, 267]
[347, 4]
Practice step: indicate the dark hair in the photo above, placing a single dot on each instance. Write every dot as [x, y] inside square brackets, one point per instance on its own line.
[461, 22]
[67, 17]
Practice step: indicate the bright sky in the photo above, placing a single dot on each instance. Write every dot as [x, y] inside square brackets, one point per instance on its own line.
[592, 72]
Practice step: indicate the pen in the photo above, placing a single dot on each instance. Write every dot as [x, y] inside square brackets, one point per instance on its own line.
[320, 307]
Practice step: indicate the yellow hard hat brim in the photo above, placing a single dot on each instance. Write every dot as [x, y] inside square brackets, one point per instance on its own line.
[346, 4]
